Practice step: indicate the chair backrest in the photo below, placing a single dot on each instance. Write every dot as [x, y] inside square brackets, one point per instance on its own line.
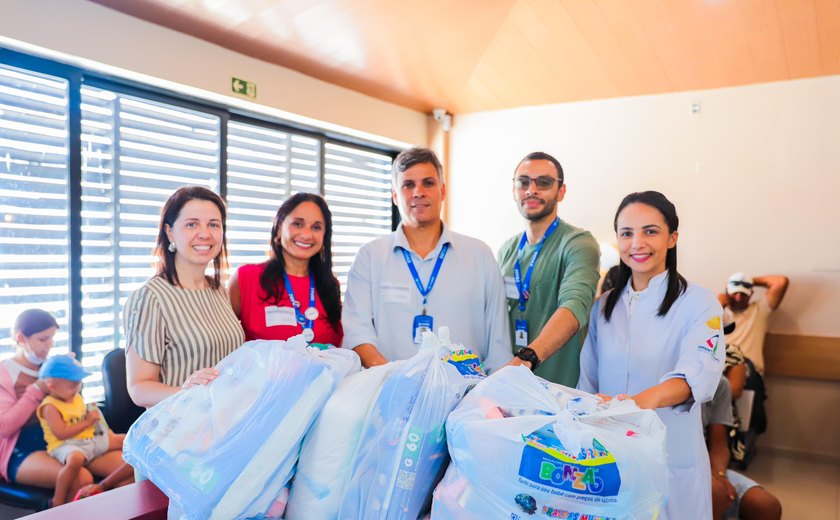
[119, 410]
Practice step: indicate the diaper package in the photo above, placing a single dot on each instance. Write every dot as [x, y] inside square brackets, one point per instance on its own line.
[227, 450]
[522, 446]
[330, 446]
[393, 417]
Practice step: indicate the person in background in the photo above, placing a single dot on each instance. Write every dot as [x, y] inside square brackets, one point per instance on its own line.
[295, 291]
[733, 495]
[424, 275]
[658, 340]
[23, 451]
[72, 430]
[550, 270]
[751, 316]
[179, 324]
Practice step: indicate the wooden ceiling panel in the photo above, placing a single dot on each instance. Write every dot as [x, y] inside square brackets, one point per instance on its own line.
[567, 34]
[763, 32]
[799, 33]
[667, 41]
[473, 55]
[634, 46]
[828, 30]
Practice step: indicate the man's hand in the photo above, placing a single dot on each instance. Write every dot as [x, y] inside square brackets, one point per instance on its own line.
[515, 362]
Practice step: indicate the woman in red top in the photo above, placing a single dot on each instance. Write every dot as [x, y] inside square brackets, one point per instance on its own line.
[299, 271]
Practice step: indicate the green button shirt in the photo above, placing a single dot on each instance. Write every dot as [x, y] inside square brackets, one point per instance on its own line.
[565, 275]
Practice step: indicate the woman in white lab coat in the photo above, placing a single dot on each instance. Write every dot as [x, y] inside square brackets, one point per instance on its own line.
[657, 339]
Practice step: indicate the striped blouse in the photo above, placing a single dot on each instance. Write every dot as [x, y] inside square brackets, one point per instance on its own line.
[182, 330]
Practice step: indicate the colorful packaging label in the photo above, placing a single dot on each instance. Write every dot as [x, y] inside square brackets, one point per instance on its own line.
[545, 462]
[467, 363]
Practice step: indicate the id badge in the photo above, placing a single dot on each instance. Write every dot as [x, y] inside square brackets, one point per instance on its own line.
[521, 333]
[422, 323]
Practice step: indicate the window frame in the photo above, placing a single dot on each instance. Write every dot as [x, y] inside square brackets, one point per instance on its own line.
[78, 77]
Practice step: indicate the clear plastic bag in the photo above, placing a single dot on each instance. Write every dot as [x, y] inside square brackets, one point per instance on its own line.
[227, 450]
[329, 448]
[522, 446]
[379, 446]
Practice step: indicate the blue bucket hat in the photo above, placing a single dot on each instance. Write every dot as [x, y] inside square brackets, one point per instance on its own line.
[62, 367]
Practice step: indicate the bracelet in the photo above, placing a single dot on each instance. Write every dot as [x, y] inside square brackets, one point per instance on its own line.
[722, 474]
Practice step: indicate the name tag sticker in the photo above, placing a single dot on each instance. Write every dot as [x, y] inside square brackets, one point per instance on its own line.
[395, 293]
[510, 288]
[277, 316]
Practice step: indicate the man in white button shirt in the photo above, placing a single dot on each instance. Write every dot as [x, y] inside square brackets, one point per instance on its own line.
[423, 276]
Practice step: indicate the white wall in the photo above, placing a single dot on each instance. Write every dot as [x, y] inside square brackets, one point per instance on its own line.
[87, 33]
[754, 176]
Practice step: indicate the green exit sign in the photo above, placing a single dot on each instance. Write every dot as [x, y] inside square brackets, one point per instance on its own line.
[246, 88]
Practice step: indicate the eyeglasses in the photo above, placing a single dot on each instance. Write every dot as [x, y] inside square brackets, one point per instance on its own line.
[543, 182]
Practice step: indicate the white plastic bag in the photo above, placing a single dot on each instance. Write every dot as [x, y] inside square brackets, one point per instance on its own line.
[522, 446]
[379, 447]
[402, 452]
[330, 446]
[227, 450]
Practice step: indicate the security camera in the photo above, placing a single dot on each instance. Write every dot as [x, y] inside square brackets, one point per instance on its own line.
[443, 117]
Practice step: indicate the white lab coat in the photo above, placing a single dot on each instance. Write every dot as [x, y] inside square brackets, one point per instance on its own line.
[637, 349]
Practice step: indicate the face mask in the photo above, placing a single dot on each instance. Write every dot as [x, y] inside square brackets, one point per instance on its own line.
[33, 357]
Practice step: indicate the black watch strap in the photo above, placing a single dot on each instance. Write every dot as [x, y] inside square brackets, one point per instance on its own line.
[528, 354]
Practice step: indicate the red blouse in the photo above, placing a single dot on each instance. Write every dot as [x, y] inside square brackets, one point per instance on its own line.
[264, 320]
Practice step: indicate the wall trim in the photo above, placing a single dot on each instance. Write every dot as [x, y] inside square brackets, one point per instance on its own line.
[806, 357]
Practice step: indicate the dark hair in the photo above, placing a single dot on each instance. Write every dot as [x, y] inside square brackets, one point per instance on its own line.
[320, 265]
[542, 156]
[412, 157]
[168, 216]
[33, 321]
[676, 283]
[609, 279]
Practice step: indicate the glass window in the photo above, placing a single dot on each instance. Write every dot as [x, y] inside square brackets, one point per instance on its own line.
[34, 173]
[135, 153]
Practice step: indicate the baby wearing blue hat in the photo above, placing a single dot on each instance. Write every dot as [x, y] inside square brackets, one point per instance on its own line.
[69, 427]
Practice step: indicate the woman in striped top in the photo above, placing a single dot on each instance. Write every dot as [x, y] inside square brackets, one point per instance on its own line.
[179, 324]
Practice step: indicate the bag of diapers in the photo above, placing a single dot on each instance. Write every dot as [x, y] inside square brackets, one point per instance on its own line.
[522, 446]
[379, 446]
[227, 450]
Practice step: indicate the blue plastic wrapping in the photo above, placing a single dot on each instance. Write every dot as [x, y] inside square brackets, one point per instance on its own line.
[522, 446]
[379, 446]
[227, 450]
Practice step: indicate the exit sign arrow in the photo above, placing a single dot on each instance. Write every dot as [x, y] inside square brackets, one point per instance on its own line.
[245, 88]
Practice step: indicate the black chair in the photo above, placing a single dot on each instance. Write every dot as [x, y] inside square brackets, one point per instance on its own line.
[119, 410]
[26, 497]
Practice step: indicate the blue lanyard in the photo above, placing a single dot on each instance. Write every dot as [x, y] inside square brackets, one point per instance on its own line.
[304, 323]
[432, 280]
[525, 285]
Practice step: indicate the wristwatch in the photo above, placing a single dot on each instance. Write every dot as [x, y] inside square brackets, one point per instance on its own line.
[528, 354]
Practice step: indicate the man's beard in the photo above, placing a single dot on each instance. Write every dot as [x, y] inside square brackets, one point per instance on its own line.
[548, 209]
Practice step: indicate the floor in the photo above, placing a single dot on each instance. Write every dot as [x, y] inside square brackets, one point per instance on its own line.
[807, 487]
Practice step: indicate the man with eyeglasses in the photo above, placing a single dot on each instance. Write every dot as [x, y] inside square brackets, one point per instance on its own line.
[423, 276]
[751, 317]
[551, 271]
